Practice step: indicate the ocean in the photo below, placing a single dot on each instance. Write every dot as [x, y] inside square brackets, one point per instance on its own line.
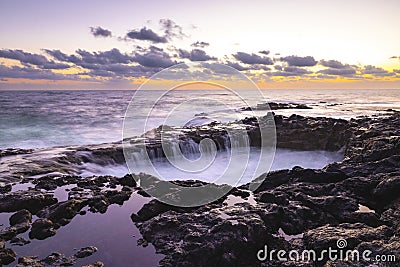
[39, 119]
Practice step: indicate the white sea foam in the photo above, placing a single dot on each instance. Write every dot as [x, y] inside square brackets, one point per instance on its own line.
[284, 159]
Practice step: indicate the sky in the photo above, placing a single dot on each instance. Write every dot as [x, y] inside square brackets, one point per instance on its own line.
[278, 44]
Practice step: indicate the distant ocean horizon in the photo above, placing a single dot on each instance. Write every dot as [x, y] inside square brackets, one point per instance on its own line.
[47, 118]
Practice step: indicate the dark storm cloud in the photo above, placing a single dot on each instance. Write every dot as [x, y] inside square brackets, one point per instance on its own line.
[299, 61]
[145, 34]
[334, 64]
[200, 44]
[100, 32]
[32, 59]
[252, 59]
[376, 71]
[195, 55]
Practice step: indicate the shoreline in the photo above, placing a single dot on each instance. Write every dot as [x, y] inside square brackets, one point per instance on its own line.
[317, 204]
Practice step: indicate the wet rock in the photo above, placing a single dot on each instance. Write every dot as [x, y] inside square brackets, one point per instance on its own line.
[317, 176]
[26, 261]
[178, 235]
[85, 252]
[117, 197]
[150, 210]
[21, 217]
[391, 215]
[31, 200]
[96, 264]
[276, 106]
[297, 132]
[98, 203]
[5, 188]
[61, 213]
[274, 197]
[240, 193]
[8, 233]
[143, 193]
[42, 229]
[22, 226]
[142, 242]
[58, 259]
[19, 241]
[389, 248]
[327, 236]
[14, 151]
[388, 189]
[127, 180]
[7, 256]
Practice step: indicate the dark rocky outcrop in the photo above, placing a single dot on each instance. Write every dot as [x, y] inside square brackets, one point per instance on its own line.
[31, 200]
[316, 207]
[85, 252]
[7, 256]
[356, 199]
[42, 229]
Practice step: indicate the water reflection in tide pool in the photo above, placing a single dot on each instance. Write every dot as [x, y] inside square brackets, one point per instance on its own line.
[113, 233]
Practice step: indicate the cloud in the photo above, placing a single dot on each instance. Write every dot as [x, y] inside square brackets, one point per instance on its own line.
[339, 72]
[113, 63]
[289, 71]
[92, 60]
[335, 67]
[296, 61]
[32, 59]
[200, 44]
[106, 57]
[100, 32]
[154, 58]
[333, 64]
[394, 57]
[171, 29]
[195, 55]
[265, 52]
[119, 71]
[32, 73]
[376, 71]
[237, 66]
[146, 60]
[103, 57]
[252, 59]
[145, 34]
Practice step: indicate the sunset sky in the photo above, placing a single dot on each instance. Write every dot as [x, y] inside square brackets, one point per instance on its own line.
[278, 44]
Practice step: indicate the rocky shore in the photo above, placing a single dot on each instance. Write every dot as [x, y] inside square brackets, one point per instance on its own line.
[357, 199]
